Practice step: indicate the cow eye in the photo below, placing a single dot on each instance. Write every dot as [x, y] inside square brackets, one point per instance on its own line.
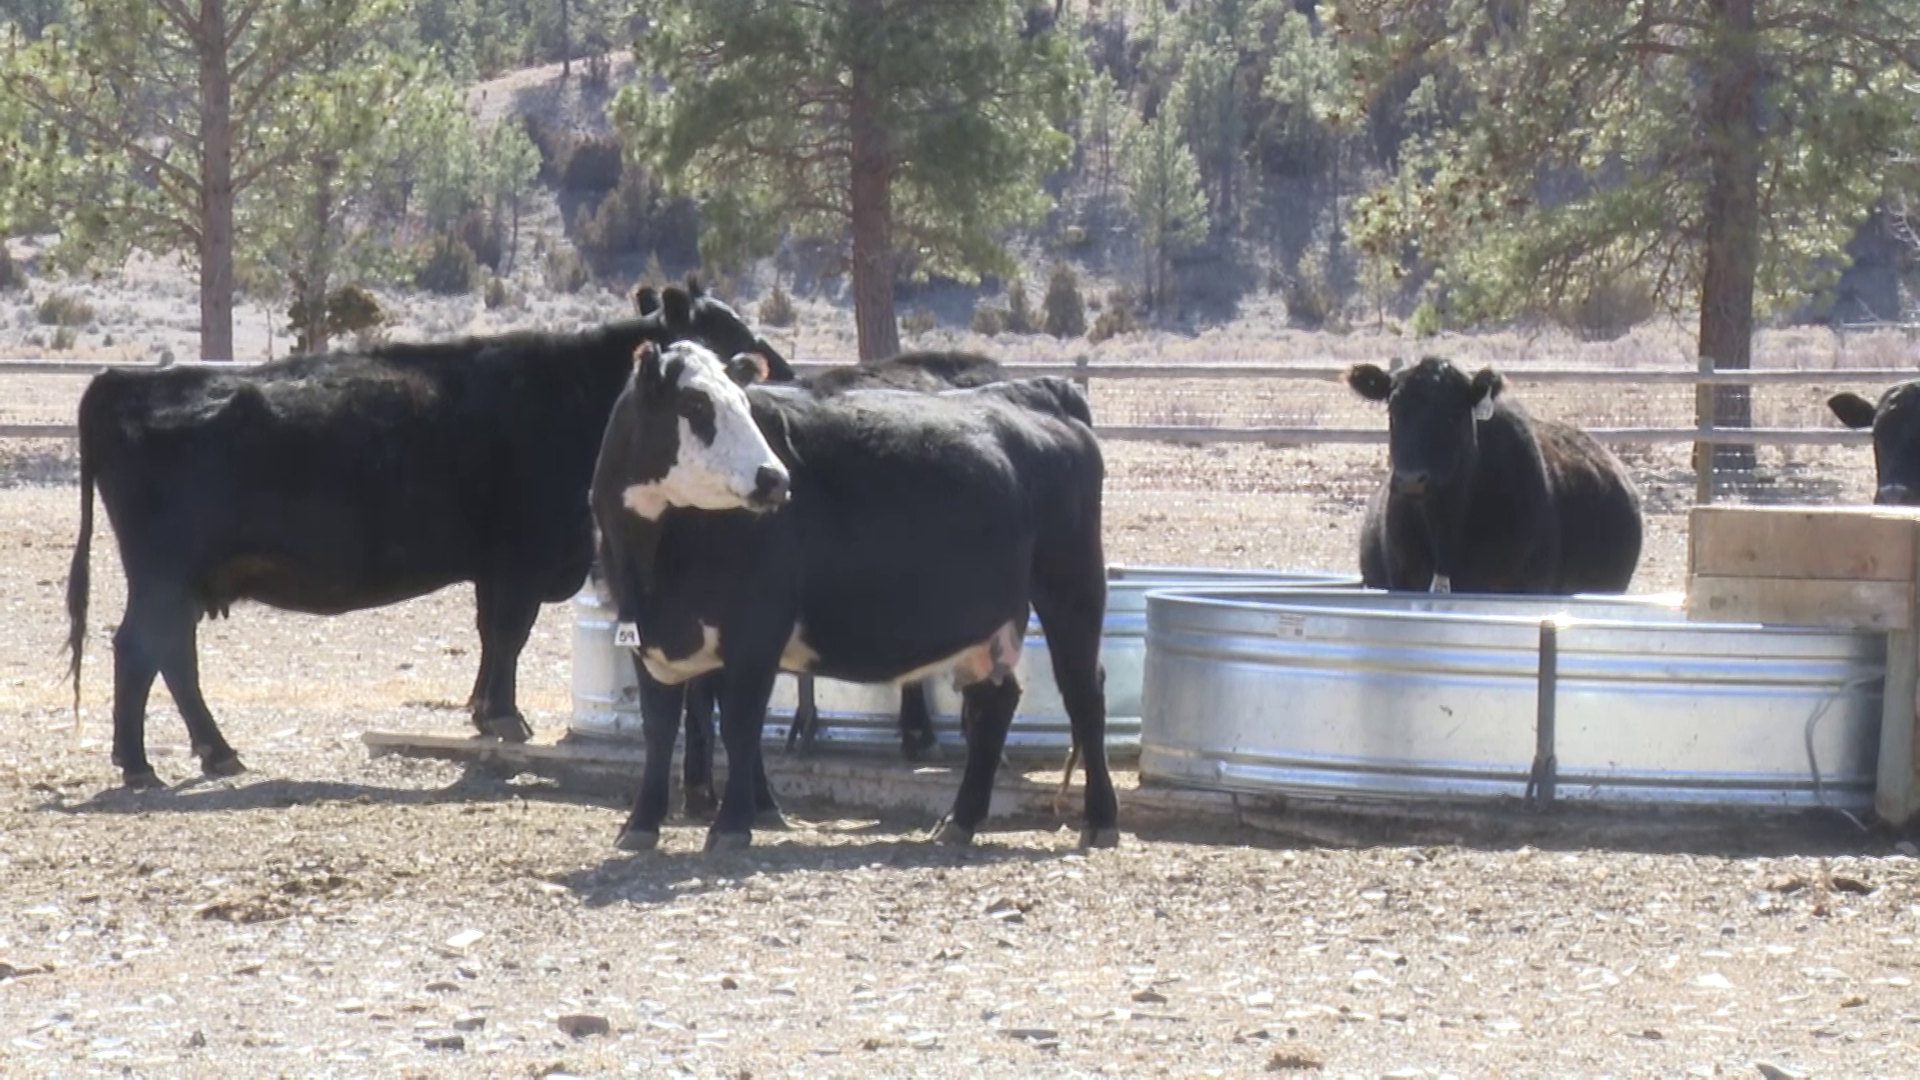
[698, 411]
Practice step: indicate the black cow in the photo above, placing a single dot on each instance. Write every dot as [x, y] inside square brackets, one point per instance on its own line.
[1896, 439]
[338, 482]
[1483, 498]
[927, 371]
[919, 529]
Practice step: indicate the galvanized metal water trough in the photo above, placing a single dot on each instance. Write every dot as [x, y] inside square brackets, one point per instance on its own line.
[1614, 699]
[857, 717]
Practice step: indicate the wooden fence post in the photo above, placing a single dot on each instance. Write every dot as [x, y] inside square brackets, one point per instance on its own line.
[1703, 401]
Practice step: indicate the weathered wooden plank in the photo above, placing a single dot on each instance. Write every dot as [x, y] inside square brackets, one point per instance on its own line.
[1821, 543]
[1869, 605]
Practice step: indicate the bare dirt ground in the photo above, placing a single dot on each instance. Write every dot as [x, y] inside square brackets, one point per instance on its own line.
[331, 914]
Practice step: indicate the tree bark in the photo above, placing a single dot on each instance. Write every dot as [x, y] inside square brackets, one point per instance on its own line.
[1731, 222]
[216, 184]
[316, 282]
[870, 201]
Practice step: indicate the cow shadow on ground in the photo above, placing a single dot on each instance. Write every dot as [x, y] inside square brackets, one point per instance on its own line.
[478, 783]
[680, 869]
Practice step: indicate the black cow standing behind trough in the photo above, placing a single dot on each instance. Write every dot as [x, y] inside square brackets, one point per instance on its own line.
[338, 482]
[918, 530]
[1483, 498]
[1895, 421]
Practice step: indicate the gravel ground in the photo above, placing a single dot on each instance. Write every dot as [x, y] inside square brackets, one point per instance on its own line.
[331, 914]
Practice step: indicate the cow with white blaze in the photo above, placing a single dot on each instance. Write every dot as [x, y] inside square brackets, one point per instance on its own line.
[334, 483]
[879, 536]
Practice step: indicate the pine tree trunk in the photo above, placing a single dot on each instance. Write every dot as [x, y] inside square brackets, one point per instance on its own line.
[1732, 223]
[319, 275]
[216, 185]
[871, 200]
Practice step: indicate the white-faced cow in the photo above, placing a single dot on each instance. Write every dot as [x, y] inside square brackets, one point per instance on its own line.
[1483, 498]
[874, 536]
[927, 371]
[338, 482]
[1895, 421]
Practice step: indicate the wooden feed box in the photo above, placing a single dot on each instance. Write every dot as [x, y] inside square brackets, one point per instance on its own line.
[1842, 567]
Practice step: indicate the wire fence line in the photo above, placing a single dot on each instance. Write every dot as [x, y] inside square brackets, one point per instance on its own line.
[1084, 371]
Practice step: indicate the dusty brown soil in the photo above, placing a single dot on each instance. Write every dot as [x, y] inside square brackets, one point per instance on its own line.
[332, 914]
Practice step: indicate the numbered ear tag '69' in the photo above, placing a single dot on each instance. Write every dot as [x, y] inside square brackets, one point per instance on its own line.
[626, 636]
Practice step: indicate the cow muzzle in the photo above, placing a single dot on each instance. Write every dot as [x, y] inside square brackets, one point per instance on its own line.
[772, 487]
[1411, 484]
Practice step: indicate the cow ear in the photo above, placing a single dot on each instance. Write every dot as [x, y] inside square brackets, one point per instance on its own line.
[747, 368]
[646, 300]
[1487, 385]
[1853, 410]
[694, 288]
[677, 306]
[1370, 382]
[778, 370]
[649, 370]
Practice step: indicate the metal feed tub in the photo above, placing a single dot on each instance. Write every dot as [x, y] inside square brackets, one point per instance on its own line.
[1366, 693]
[862, 717]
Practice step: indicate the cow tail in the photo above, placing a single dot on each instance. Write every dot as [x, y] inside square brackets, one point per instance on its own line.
[78, 573]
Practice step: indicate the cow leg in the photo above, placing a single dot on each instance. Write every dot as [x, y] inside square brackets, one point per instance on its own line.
[1071, 601]
[481, 678]
[916, 720]
[138, 644]
[696, 765]
[806, 716]
[661, 707]
[180, 666]
[744, 689]
[986, 714]
[766, 808]
[506, 617]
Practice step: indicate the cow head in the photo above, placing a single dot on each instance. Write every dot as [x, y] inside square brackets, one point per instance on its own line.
[685, 435]
[695, 314]
[1896, 439]
[1432, 410]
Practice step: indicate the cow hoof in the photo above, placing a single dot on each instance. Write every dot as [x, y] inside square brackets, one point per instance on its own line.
[728, 841]
[699, 803]
[513, 729]
[951, 833]
[637, 840]
[227, 764]
[146, 780]
[916, 746]
[1091, 837]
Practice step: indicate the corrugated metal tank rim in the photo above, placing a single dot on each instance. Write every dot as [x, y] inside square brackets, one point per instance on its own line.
[1366, 693]
[861, 718]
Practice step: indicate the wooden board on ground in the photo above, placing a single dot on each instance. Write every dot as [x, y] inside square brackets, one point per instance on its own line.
[612, 768]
